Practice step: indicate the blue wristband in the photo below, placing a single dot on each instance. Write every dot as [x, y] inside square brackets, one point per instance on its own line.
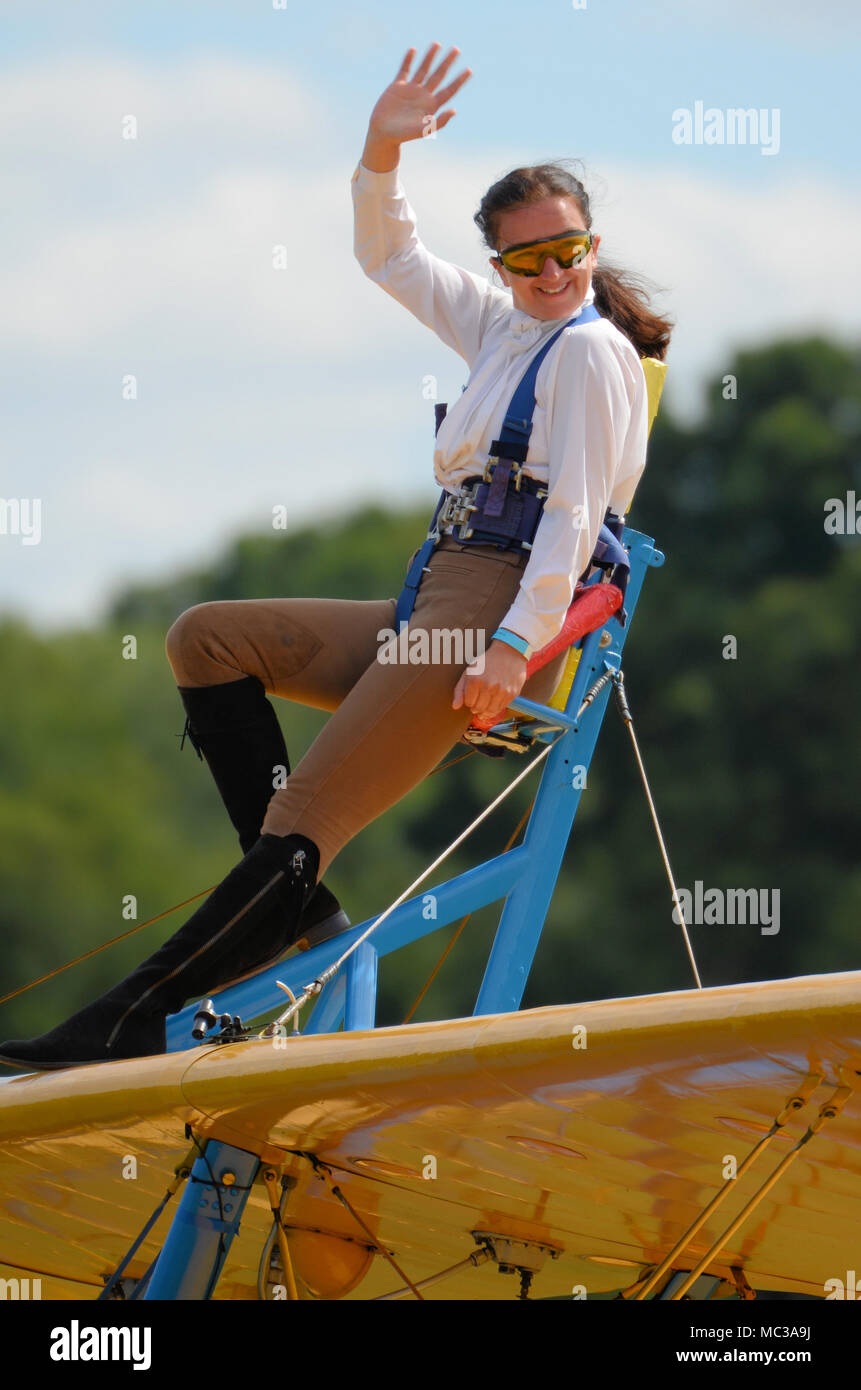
[511, 639]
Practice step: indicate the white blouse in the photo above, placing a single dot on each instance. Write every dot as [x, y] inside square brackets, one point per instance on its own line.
[589, 429]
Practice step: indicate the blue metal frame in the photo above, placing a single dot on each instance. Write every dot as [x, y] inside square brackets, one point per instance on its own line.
[525, 877]
[204, 1224]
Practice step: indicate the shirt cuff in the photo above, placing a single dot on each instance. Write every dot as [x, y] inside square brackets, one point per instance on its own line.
[530, 626]
[380, 181]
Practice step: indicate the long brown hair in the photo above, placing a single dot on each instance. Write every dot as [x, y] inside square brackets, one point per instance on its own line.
[620, 296]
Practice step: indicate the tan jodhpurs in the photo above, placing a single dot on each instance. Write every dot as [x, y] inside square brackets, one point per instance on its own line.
[392, 722]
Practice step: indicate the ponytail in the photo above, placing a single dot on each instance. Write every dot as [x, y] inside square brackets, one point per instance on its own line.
[620, 295]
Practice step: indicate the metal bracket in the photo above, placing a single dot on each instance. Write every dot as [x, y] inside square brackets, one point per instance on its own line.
[232, 1029]
[516, 1256]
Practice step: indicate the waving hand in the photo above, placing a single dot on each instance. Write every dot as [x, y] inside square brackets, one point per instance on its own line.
[409, 105]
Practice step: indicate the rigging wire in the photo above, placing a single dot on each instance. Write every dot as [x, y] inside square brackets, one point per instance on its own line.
[463, 921]
[322, 1171]
[828, 1111]
[277, 1233]
[22, 989]
[181, 1172]
[793, 1105]
[105, 945]
[618, 680]
[472, 1261]
[316, 986]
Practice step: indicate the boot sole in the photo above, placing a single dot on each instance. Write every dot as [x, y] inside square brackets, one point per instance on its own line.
[336, 925]
[330, 927]
[32, 1067]
[43, 1066]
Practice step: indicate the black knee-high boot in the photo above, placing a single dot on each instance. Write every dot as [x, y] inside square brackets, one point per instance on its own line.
[235, 729]
[246, 922]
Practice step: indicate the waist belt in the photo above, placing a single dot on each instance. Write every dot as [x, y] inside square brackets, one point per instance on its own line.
[503, 507]
[479, 516]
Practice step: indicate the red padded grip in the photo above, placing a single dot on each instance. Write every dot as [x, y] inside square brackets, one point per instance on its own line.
[590, 608]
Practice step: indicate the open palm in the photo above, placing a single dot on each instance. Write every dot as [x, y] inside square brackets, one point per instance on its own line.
[407, 108]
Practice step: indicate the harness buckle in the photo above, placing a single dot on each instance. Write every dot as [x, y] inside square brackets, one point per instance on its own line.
[457, 507]
[516, 471]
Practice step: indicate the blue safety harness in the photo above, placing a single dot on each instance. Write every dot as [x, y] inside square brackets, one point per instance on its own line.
[505, 510]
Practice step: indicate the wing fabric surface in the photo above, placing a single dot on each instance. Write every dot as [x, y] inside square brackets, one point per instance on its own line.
[603, 1144]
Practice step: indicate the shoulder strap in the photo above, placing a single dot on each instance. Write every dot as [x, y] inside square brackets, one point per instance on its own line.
[517, 426]
[512, 445]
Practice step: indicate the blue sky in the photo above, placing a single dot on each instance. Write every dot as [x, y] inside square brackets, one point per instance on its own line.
[151, 257]
[607, 72]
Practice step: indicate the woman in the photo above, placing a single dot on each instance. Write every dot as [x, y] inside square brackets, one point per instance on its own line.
[393, 721]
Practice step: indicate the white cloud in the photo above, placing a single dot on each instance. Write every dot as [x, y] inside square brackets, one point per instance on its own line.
[76, 103]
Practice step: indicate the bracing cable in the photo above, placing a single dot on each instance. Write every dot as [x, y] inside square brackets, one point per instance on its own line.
[621, 700]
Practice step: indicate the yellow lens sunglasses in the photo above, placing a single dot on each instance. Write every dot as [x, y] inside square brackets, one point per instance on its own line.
[528, 257]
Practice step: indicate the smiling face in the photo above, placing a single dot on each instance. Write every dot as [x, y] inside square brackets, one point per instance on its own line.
[555, 293]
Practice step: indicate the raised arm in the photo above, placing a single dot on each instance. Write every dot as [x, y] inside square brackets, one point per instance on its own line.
[445, 297]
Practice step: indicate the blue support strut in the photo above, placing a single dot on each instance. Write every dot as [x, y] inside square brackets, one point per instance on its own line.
[204, 1224]
[361, 1003]
[556, 804]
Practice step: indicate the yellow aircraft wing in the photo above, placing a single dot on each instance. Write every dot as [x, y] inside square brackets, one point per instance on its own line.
[597, 1130]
